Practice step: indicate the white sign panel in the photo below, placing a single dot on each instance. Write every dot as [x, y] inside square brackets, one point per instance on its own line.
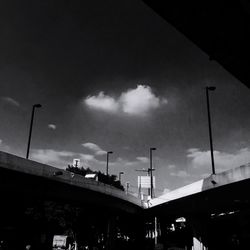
[76, 162]
[145, 181]
[59, 241]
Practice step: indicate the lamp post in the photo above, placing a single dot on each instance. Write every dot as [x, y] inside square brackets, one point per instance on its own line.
[151, 172]
[120, 176]
[107, 168]
[31, 125]
[211, 88]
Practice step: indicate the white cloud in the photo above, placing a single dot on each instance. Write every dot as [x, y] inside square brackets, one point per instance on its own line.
[52, 157]
[91, 146]
[166, 190]
[101, 152]
[4, 147]
[10, 101]
[223, 160]
[60, 159]
[102, 102]
[142, 159]
[128, 163]
[95, 148]
[205, 175]
[52, 126]
[180, 173]
[138, 101]
[171, 166]
[87, 157]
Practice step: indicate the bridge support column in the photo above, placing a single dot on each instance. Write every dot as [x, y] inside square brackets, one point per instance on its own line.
[139, 229]
[110, 234]
[198, 245]
[200, 228]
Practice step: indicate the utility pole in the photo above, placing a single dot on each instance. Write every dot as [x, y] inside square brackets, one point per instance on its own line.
[127, 187]
[120, 176]
[151, 172]
[209, 126]
[107, 166]
[31, 126]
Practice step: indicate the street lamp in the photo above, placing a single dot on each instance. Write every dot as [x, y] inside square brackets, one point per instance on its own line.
[151, 172]
[31, 125]
[211, 88]
[120, 175]
[107, 169]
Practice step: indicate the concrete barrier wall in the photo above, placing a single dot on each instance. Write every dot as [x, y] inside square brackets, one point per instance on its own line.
[22, 165]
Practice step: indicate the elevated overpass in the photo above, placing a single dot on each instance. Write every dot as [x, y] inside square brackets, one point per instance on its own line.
[25, 177]
[216, 211]
[220, 28]
[223, 192]
[215, 208]
[39, 201]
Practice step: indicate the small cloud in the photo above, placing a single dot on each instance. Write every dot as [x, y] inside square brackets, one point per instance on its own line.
[60, 159]
[4, 147]
[166, 190]
[180, 173]
[87, 157]
[198, 157]
[205, 175]
[52, 157]
[192, 150]
[139, 162]
[171, 166]
[142, 159]
[223, 160]
[138, 101]
[91, 146]
[102, 102]
[10, 101]
[119, 159]
[101, 152]
[94, 147]
[52, 126]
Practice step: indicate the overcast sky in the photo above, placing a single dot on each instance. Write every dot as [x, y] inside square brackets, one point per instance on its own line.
[113, 75]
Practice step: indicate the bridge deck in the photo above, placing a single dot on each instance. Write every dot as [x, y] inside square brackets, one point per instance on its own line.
[223, 192]
[39, 175]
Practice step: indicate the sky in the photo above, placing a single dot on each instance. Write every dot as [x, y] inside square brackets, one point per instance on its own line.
[114, 76]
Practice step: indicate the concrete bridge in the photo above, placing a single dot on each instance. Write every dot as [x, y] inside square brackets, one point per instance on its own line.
[214, 209]
[32, 178]
[39, 201]
[220, 28]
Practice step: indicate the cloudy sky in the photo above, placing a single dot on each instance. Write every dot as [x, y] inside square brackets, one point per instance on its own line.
[114, 76]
